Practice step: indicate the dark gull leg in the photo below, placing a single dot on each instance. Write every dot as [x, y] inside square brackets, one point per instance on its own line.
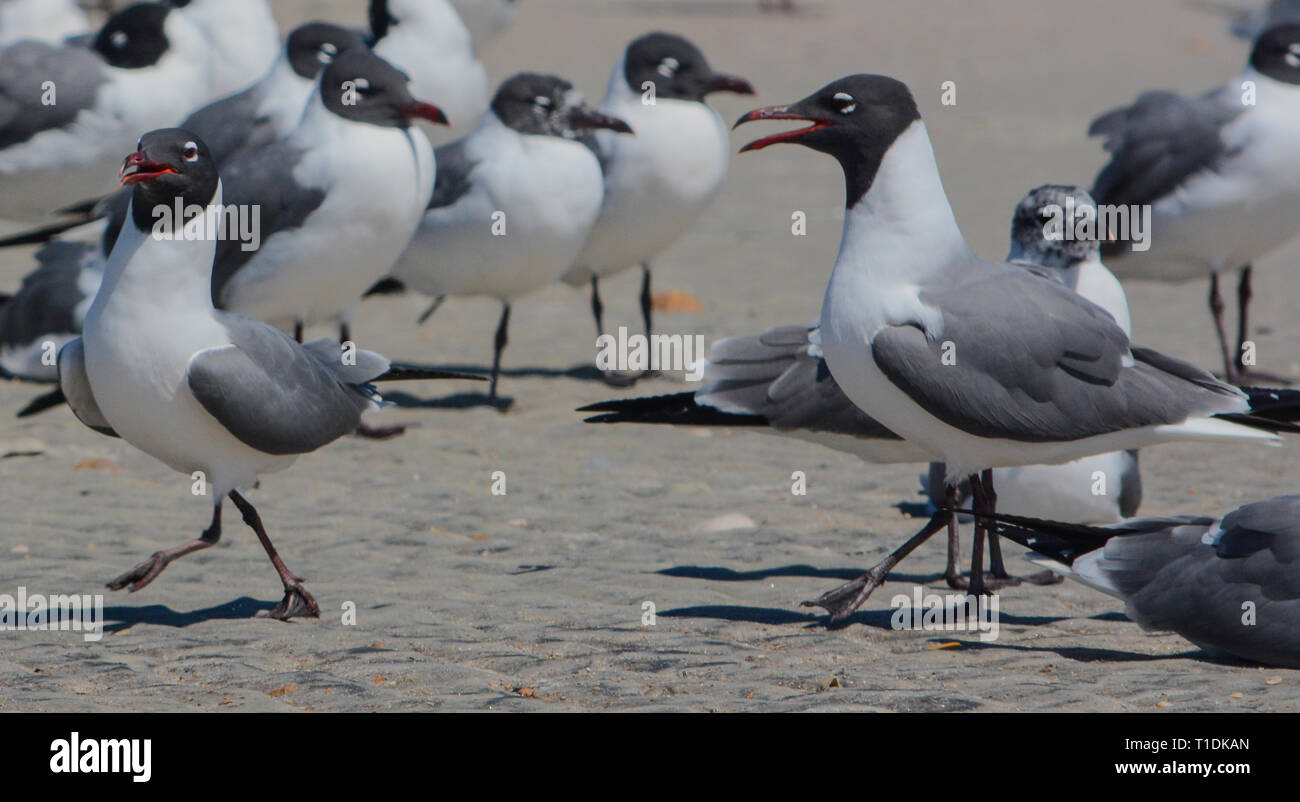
[977, 586]
[1248, 373]
[952, 574]
[148, 571]
[428, 313]
[842, 601]
[997, 569]
[1216, 309]
[296, 601]
[297, 330]
[597, 308]
[499, 345]
[647, 312]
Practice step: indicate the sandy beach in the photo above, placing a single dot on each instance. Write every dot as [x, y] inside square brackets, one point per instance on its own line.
[533, 600]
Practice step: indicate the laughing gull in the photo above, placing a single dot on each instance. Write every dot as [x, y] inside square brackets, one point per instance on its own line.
[43, 20]
[484, 19]
[514, 200]
[1229, 585]
[243, 40]
[1098, 489]
[427, 40]
[232, 125]
[982, 363]
[271, 108]
[658, 182]
[338, 200]
[68, 111]
[1221, 174]
[200, 389]
[778, 382]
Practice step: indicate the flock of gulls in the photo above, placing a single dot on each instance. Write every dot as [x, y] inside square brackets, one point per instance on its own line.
[310, 172]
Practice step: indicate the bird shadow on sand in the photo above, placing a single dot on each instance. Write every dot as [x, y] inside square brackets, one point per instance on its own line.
[117, 619]
[877, 619]
[716, 573]
[468, 400]
[1093, 654]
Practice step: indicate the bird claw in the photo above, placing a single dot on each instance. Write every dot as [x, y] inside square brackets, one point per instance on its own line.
[141, 575]
[842, 601]
[296, 602]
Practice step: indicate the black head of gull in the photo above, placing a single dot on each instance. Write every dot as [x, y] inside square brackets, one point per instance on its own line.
[549, 106]
[315, 45]
[1036, 214]
[677, 69]
[134, 37]
[1277, 53]
[855, 119]
[363, 87]
[168, 164]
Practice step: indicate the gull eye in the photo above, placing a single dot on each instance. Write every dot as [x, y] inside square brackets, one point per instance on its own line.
[118, 39]
[845, 103]
[542, 101]
[361, 84]
[668, 67]
[327, 53]
[1293, 54]
[190, 152]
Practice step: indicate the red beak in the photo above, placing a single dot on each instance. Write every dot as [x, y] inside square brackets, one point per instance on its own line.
[778, 113]
[137, 168]
[424, 111]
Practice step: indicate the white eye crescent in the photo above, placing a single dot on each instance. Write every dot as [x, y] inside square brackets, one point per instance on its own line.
[668, 67]
[361, 84]
[1293, 55]
[118, 39]
[190, 152]
[543, 101]
[327, 53]
[845, 102]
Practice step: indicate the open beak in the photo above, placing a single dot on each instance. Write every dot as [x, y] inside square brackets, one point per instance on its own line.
[424, 111]
[137, 168]
[727, 83]
[779, 113]
[586, 119]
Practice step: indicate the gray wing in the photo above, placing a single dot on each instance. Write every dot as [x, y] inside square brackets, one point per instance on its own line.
[263, 178]
[1046, 366]
[453, 174]
[46, 302]
[76, 388]
[1174, 581]
[781, 376]
[77, 74]
[230, 126]
[278, 396]
[1159, 142]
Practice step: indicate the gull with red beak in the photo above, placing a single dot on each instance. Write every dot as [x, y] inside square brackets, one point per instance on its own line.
[659, 182]
[525, 161]
[218, 396]
[981, 363]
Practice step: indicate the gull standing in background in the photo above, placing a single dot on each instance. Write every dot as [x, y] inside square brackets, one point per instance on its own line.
[514, 201]
[427, 40]
[1221, 174]
[657, 183]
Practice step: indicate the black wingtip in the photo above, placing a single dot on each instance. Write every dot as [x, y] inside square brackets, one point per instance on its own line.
[37, 236]
[401, 373]
[676, 408]
[43, 402]
[1263, 421]
[84, 208]
[386, 286]
[1273, 403]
